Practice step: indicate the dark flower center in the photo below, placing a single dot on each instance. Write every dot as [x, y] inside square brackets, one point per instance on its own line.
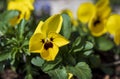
[96, 22]
[48, 45]
[51, 39]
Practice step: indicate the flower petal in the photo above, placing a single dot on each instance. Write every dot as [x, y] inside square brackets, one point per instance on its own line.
[58, 39]
[113, 23]
[68, 12]
[35, 43]
[97, 29]
[49, 54]
[104, 12]
[52, 24]
[102, 3]
[70, 75]
[38, 29]
[117, 37]
[86, 11]
[22, 7]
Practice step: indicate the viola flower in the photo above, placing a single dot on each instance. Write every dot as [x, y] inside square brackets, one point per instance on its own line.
[70, 75]
[70, 14]
[46, 39]
[97, 24]
[97, 17]
[117, 37]
[24, 7]
[113, 27]
[85, 12]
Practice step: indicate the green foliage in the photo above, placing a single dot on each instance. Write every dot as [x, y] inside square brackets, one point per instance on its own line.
[66, 25]
[37, 61]
[59, 73]
[104, 44]
[81, 70]
[8, 15]
[79, 57]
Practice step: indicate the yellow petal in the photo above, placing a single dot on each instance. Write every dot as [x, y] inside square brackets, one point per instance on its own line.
[104, 12]
[86, 11]
[58, 39]
[101, 3]
[49, 54]
[29, 5]
[52, 24]
[113, 23]
[35, 43]
[38, 29]
[117, 37]
[70, 75]
[22, 7]
[68, 12]
[74, 22]
[97, 28]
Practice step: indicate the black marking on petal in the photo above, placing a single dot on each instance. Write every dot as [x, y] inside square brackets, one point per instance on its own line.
[43, 41]
[51, 39]
[48, 45]
[96, 22]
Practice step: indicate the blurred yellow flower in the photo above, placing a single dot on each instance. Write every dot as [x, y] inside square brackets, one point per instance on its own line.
[117, 37]
[86, 11]
[46, 39]
[23, 6]
[95, 15]
[70, 14]
[113, 27]
[70, 75]
[113, 23]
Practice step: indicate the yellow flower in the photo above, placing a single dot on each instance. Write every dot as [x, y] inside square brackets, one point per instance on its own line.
[96, 16]
[70, 75]
[31, 1]
[97, 27]
[113, 27]
[24, 8]
[113, 23]
[70, 14]
[46, 39]
[117, 37]
[86, 11]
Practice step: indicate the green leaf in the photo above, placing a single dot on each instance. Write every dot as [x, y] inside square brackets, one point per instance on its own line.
[25, 43]
[76, 42]
[70, 59]
[58, 73]
[4, 56]
[66, 28]
[14, 52]
[2, 66]
[104, 44]
[37, 61]
[8, 15]
[21, 28]
[81, 71]
[26, 51]
[94, 61]
[3, 28]
[51, 64]
[88, 45]
[83, 30]
[28, 76]
[87, 53]
[78, 48]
